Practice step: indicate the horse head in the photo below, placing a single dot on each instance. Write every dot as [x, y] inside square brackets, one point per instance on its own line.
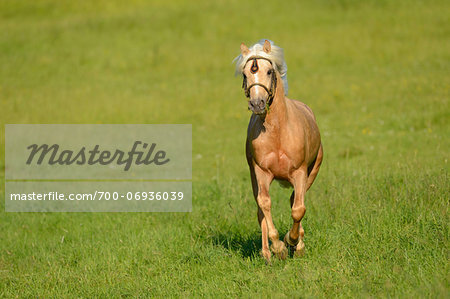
[259, 79]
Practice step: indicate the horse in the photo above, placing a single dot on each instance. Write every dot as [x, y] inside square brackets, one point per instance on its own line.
[283, 143]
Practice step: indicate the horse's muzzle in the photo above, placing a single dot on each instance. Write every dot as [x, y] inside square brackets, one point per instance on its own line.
[257, 106]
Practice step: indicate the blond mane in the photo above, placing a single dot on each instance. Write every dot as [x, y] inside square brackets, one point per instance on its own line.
[276, 56]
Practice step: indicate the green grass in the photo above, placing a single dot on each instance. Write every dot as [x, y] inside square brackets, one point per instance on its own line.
[376, 73]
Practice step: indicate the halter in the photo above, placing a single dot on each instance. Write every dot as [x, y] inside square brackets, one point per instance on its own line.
[253, 70]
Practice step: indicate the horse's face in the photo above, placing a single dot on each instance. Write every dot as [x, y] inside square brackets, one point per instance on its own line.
[258, 79]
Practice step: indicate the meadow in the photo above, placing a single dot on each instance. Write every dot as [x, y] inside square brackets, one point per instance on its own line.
[377, 76]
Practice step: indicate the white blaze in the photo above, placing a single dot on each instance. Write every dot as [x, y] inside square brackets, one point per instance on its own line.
[256, 81]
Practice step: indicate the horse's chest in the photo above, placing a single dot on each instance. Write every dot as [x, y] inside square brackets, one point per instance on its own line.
[279, 162]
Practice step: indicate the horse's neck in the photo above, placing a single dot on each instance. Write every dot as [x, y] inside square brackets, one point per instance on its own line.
[277, 114]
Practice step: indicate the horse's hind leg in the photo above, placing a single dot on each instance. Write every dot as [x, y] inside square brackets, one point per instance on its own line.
[294, 238]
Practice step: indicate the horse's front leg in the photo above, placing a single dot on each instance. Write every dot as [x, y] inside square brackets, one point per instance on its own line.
[294, 237]
[261, 219]
[264, 237]
[263, 180]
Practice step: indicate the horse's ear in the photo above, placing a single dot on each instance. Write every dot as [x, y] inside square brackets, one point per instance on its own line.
[244, 49]
[267, 47]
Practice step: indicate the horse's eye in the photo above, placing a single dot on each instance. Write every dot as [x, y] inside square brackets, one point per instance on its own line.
[269, 72]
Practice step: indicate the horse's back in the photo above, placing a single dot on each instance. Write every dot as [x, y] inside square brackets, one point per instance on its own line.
[304, 109]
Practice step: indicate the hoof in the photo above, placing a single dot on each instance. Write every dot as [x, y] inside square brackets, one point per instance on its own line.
[266, 255]
[289, 242]
[279, 249]
[299, 249]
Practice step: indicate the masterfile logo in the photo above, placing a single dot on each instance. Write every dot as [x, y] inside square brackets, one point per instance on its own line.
[53, 155]
[92, 168]
[150, 152]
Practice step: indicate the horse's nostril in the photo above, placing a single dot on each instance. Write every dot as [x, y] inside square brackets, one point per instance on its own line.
[256, 104]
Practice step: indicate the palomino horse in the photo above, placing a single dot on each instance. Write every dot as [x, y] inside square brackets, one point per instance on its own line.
[283, 142]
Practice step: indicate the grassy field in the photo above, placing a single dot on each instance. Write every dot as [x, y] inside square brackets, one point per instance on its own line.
[377, 75]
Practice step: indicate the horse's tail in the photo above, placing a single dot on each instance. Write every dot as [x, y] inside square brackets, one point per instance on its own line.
[284, 184]
[315, 169]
